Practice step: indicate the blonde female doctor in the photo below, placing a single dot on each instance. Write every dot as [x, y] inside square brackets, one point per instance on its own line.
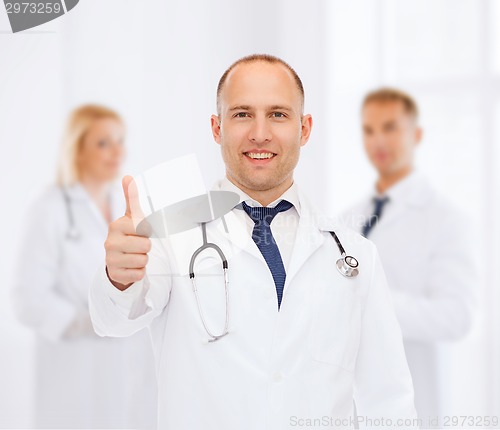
[82, 380]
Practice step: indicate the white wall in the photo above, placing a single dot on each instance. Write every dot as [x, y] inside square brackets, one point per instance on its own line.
[445, 54]
[158, 63]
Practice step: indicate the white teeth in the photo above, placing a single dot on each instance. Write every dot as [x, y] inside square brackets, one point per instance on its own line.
[260, 155]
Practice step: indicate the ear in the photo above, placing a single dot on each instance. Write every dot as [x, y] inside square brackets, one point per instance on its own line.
[215, 124]
[418, 135]
[306, 129]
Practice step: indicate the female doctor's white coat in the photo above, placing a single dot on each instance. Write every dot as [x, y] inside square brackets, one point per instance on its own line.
[333, 339]
[84, 381]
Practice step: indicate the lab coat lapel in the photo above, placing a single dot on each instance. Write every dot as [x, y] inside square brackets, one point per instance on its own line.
[412, 197]
[79, 193]
[238, 235]
[393, 212]
[307, 240]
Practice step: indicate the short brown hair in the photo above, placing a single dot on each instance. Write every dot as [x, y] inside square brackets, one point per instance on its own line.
[386, 94]
[252, 59]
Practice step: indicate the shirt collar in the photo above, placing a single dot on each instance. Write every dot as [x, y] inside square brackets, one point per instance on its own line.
[291, 195]
[76, 191]
[408, 190]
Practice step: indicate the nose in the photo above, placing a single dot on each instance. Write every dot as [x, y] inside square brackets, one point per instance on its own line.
[117, 149]
[260, 131]
[377, 140]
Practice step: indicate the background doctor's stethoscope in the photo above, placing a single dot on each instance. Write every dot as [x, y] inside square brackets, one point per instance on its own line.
[82, 380]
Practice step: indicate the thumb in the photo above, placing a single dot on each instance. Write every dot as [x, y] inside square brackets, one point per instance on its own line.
[130, 193]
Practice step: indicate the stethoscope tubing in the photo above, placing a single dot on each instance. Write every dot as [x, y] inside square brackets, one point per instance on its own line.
[204, 246]
[346, 265]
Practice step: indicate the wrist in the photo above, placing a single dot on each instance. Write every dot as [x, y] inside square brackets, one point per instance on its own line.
[117, 285]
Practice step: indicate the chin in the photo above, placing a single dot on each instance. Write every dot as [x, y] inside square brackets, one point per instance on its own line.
[263, 185]
[109, 176]
[384, 167]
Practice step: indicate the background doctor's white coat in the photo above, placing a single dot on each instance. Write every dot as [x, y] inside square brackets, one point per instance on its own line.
[158, 63]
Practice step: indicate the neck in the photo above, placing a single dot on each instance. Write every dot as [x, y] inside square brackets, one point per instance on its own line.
[97, 190]
[387, 180]
[266, 196]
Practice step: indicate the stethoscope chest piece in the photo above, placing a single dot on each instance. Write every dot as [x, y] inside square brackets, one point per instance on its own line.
[348, 266]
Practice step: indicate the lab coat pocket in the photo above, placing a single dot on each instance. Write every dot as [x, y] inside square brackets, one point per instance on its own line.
[336, 324]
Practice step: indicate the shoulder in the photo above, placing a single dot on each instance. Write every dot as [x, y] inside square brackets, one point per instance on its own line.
[343, 226]
[440, 207]
[343, 240]
[355, 216]
[45, 212]
[49, 199]
[346, 234]
[350, 242]
[349, 237]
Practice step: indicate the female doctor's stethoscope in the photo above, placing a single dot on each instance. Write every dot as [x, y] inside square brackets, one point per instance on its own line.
[72, 233]
[346, 265]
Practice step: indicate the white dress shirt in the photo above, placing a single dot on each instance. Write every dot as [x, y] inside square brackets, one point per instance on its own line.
[284, 225]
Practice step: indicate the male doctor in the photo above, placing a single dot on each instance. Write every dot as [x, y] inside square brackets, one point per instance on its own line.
[424, 244]
[303, 340]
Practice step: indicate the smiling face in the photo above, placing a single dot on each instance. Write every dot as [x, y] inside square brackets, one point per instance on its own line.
[260, 128]
[101, 153]
[390, 135]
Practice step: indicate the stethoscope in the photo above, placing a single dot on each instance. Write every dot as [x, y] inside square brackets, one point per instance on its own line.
[209, 245]
[347, 265]
[72, 234]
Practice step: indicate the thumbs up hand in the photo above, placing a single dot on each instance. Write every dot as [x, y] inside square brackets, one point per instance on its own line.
[126, 251]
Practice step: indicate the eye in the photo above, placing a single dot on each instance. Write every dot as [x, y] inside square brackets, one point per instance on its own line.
[278, 115]
[241, 115]
[102, 143]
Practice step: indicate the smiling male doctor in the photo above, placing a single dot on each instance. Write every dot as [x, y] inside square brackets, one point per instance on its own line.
[304, 341]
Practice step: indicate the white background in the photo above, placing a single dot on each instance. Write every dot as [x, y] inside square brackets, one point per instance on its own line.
[158, 62]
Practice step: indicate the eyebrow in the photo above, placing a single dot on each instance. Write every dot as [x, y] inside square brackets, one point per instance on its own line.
[389, 123]
[273, 107]
[239, 107]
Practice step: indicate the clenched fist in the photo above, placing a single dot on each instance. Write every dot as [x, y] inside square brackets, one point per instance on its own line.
[126, 251]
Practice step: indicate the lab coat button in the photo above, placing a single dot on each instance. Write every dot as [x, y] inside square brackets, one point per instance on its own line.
[277, 377]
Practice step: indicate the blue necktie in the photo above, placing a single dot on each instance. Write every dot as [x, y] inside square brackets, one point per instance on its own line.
[263, 238]
[375, 217]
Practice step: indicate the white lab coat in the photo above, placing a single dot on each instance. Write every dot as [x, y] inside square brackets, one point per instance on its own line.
[85, 381]
[334, 338]
[426, 249]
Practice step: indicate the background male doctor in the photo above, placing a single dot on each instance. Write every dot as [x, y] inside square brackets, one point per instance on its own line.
[424, 244]
[303, 341]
